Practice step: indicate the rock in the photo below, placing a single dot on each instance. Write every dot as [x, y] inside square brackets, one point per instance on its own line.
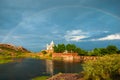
[10, 47]
[67, 76]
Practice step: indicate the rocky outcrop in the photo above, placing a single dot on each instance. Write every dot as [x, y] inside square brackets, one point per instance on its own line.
[12, 48]
[67, 76]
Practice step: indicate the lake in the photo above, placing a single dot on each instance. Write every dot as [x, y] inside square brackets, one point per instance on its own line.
[26, 69]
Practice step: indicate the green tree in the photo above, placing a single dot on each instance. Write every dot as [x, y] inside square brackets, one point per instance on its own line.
[112, 49]
[68, 47]
[71, 47]
[56, 49]
[118, 52]
[61, 48]
[81, 52]
[103, 51]
[95, 52]
[44, 52]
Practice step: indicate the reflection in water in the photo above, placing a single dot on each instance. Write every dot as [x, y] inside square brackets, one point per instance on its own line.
[49, 67]
[54, 67]
[26, 69]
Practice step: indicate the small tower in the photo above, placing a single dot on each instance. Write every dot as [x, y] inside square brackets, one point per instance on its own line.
[52, 43]
[50, 48]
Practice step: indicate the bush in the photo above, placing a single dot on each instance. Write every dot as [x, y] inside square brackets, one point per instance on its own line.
[44, 52]
[104, 68]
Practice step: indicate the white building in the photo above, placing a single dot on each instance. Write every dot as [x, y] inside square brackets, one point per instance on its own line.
[50, 46]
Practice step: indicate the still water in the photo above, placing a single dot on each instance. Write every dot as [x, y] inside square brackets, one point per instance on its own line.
[26, 69]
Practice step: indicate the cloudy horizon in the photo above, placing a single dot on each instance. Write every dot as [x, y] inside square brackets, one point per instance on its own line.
[35, 23]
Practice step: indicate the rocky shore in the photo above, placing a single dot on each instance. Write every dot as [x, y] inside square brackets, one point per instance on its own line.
[67, 76]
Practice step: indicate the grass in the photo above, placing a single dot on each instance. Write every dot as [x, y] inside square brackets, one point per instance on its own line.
[5, 59]
[41, 78]
[104, 68]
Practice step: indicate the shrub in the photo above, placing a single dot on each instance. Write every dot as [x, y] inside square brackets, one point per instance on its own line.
[44, 52]
[104, 68]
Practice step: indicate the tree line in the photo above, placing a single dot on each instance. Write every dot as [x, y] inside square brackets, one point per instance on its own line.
[72, 48]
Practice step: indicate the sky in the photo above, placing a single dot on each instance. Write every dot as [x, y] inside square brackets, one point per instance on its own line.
[35, 23]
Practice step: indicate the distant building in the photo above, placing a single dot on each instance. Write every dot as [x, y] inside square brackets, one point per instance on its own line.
[49, 47]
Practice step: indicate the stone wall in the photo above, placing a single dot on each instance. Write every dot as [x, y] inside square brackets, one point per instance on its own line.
[73, 57]
[85, 58]
[54, 55]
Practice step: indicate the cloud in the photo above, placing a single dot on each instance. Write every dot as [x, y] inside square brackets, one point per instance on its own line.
[109, 37]
[76, 38]
[79, 35]
[75, 35]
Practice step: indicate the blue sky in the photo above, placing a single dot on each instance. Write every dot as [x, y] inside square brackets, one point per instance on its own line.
[34, 23]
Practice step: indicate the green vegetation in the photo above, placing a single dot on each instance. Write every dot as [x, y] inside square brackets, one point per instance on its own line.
[60, 48]
[5, 59]
[8, 52]
[41, 78]
[71, 48]
[11, 50]
[104, 68]
[111, 49]
[44, 52]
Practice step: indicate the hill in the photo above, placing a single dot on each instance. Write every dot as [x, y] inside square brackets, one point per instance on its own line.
[9, 49]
